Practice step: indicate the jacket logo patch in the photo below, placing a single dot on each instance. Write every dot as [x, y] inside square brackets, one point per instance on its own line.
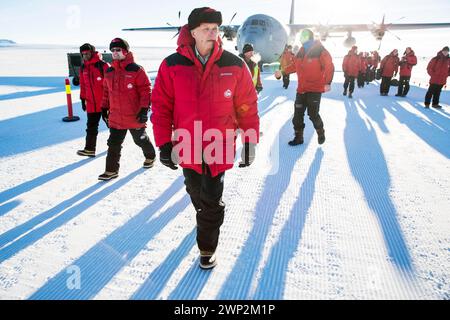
[227, 94]
[226, 74]
[130, 86]
[99, 79]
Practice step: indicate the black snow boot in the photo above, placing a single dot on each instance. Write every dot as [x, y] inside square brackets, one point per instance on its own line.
[108, 176]
[350, 95]
[86, 153]
[436, 106]
[345, 92]
[298, 139]
[320, 136]
[207, 260]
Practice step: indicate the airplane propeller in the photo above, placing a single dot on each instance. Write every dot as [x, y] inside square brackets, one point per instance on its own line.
[385, 28]
[228, 30]
[179, 25]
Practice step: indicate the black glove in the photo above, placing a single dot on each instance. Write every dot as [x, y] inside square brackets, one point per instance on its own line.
[259, 89]
[142, 115]
[105, 116]
[247, 155]
[165, 156]
[83, 104]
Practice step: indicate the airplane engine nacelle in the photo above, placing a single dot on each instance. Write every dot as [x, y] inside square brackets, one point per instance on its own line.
[349, 42]
[323, 36]
[378, 34]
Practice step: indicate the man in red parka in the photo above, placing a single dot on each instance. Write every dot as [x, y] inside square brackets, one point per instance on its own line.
[91, 77]
[126, 100]
[389, 68]
[438, 69]
[408, 61]
[351, 66]
[315, 70]
[287, 58]
[202, 95]
[362, 70]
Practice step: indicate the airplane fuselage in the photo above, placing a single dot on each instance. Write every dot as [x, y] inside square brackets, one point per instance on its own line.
[267, 35]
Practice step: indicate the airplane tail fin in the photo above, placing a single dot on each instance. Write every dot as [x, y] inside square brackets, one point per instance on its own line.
[292, 17]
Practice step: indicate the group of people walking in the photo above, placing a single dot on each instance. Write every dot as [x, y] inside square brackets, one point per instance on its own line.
[354, 65]
[203, 99]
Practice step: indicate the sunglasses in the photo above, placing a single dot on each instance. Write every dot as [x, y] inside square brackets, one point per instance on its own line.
[116, 49]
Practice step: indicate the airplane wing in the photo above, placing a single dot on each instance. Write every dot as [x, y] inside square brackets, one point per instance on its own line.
[173, 28]
[369, 27]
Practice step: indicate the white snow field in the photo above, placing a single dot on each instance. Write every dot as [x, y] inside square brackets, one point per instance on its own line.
[365, 216]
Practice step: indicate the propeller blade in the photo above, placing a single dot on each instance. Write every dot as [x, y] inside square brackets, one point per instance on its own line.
[398, 38]
[176, 35]
[232, 18]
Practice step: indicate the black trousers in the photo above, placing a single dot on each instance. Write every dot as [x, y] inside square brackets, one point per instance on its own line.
[349, 81]
[385, 84]
[286, 80]
[93, 120]
[206, 196]
[115, 141]
[403, 85]
[434, 91]
[307, 101]
[361, 80]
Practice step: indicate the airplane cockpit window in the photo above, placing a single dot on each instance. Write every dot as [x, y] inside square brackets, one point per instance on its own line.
[262, 23]
[254, 22]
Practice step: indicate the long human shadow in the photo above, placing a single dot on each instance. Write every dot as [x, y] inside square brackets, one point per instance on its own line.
[434, 132]
[37, 232]
[273, 278]
[5, 208]
[38, 181]
[40, 129]
[368, 166]
[238, 283]
[191, 285]
[158, 279]
[27, 226]
[99, 265]
[50, 85]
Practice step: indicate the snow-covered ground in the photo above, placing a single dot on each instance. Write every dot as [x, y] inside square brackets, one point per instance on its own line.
[365, 216]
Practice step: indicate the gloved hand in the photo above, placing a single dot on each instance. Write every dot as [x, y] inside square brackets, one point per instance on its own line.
[165, 156]
[142, 116]
[105, 116]
[83, 104]
[259, 89]
[247, 155]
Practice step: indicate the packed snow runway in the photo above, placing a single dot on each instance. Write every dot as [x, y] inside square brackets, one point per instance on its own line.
[364, 216]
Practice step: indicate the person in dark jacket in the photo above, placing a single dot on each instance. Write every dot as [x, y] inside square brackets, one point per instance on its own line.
[351, 66]
[202, 95]
[439, 69]
[408, 61]
[252, 60]
[91, 77]
[389, 68]
[126, 101]
[315, 70]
